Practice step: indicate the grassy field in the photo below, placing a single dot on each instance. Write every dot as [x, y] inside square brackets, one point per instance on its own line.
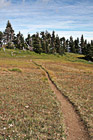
[28, 107]
[75, 79]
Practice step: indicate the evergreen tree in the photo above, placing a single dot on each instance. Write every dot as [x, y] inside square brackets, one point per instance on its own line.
[72, 45]
[9, 33]
[62, 45]
[76, 43]
[89, 52]
[67, 45]
[1, 38]
[48, 41]
[29, 40]
[43, 42]
[37, 43]
[53, 49]
[82, 44]
[57, 44]
[85, 47]
[92, 42]
[19, 41]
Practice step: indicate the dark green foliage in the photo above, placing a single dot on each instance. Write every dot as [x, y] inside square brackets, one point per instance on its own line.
[89, 52]
[72, 45]
[45, 43]
[10, 45]
[8, 33]
[1, 37]
[37, 43]
[57, 44]
[53, 49]
[62, 45]
[92, 42]
[77, 47]
[48, 41]
[19, 41]
[67, 45]
[29, 40]
[82, 44]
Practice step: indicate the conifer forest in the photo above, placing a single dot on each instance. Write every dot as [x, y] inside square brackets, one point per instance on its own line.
[44, 42]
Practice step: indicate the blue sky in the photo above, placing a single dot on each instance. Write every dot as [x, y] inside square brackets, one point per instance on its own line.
[66, 17]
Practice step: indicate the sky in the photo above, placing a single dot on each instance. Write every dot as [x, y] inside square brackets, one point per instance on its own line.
[66, 17]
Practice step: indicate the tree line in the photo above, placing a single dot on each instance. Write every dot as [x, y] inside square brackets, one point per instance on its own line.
[45, 43]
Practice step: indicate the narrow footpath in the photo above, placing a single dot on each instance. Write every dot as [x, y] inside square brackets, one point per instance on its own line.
[74, 126]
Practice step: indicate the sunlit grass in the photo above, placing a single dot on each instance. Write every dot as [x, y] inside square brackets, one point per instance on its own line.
[75, 80]
[29, 109]
[67, 57]
[26, 92]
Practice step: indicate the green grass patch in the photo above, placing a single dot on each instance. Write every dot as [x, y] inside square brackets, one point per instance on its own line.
[67, 57]
[15, 70]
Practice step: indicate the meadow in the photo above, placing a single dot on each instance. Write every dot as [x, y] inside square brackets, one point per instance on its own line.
[29, 108]
[74, 78]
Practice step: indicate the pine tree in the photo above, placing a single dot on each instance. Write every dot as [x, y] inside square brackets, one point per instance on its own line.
[82, 44]
[1, 38]
[67, 45]
[77, 48]
[72, 45]
[9, 33]
[92, 42]
[53, 49]
[57, 44]
[29, 40]
[19, 41]
[43, 42]
[48, 41]
[89, 52]
[62, 45]
[37, 43]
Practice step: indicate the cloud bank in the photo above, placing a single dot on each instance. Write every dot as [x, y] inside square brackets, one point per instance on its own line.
[4, 3]
[73, 17]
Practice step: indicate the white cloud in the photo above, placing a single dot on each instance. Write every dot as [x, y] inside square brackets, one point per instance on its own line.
[36, 28]
[75, 34]
[4, 3]
[23, 1]
[40, 15]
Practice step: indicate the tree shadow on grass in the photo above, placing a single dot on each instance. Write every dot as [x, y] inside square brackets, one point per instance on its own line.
[86, 58]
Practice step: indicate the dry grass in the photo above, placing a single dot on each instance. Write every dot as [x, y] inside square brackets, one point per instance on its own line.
[28, 108]
[75, 80]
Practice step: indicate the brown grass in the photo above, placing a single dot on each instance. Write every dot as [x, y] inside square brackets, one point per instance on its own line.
[28, 108]
[75, 80]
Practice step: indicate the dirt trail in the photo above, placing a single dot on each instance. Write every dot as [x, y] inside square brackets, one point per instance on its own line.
[75, 127]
